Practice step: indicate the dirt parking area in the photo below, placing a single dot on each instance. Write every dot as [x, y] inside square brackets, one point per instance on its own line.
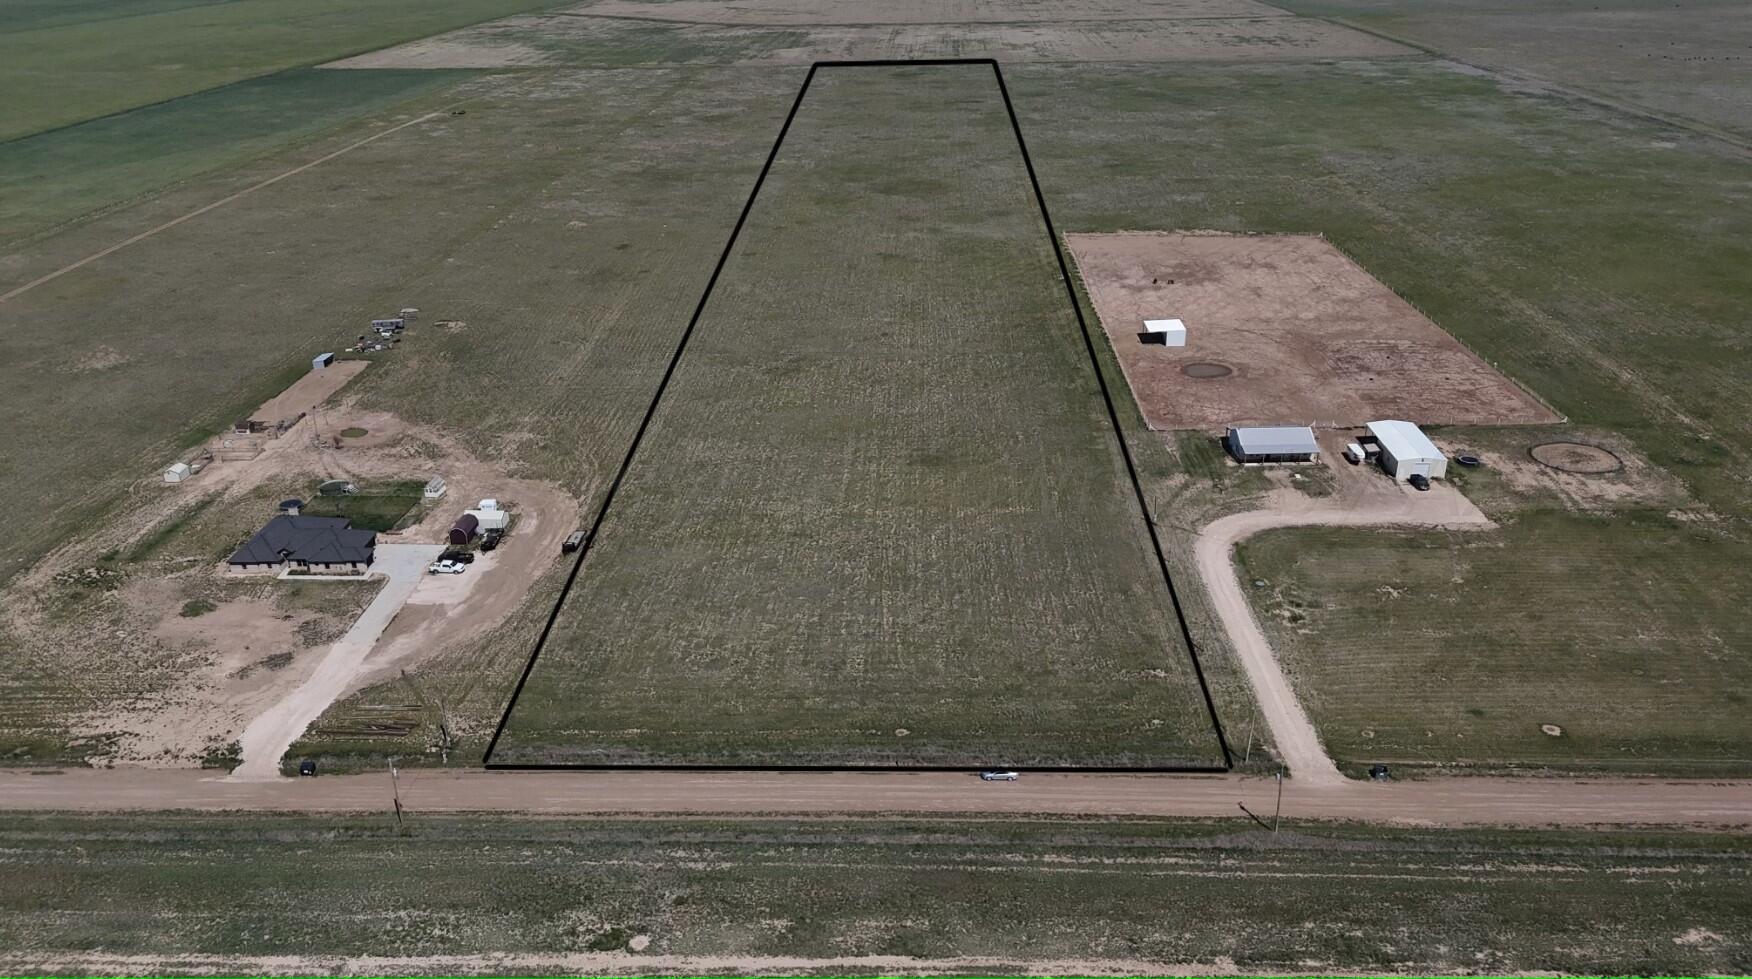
[1281, 329]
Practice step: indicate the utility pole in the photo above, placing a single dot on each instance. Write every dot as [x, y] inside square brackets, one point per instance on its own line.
[395, 788]
[1280, 802]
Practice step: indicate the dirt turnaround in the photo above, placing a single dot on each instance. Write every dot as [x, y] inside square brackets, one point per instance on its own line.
[1308, 336]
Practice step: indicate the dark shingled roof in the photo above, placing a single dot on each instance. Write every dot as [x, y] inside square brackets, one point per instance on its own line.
[316, 540]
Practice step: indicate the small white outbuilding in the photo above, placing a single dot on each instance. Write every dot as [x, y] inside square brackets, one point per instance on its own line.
[1168, 333]
[176, 472]
[1406, 451]
[434, 488]
[490, 519]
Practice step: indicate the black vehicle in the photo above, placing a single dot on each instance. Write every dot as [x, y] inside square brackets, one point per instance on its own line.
[1419, 482]
[460, 557]
[491, 539]
[307, 767]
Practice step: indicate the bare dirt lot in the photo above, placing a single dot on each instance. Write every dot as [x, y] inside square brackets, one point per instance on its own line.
[1307, 335]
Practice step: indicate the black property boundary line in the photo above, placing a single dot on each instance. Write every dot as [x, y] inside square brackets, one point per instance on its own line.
[669, 372]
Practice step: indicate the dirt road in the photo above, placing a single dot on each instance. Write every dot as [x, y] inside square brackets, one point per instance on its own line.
[1363, 499]
[267, 737]
[1437, 802]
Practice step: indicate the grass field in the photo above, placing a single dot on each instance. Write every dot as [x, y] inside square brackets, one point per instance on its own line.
[1625, 629]
[572, 216]
[51, 178]
[1080, 897]
[64, 63]
[1683, 61]
[376, 507]
[880, 515]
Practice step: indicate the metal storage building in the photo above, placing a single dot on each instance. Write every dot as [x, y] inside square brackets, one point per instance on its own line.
[466, 528]
[1406, 450]
[1283, 443]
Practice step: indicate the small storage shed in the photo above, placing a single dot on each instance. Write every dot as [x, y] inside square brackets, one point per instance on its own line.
[1168, 333]
[434, 488]
[321, 360]
[1406, 451]
[176, 472]
[488, 504]
[490, 519]
[1281, 443]
[466, 528]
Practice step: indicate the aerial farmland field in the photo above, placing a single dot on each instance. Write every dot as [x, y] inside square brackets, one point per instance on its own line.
[880, 514]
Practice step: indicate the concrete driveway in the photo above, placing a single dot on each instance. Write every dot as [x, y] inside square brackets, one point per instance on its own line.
[267, 737]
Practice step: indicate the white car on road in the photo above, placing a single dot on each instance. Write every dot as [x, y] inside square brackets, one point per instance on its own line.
[447, 567]
[999, 776]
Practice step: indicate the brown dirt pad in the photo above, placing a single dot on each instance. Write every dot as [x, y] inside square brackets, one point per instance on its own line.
[1576, 457]
[1311, 336]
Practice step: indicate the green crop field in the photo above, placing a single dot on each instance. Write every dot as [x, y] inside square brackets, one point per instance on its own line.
[192, 893]
[51, 178]
[63, 63]
[880, 515]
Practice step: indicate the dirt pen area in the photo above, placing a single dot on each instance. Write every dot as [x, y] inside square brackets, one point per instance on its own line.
[1281, 329]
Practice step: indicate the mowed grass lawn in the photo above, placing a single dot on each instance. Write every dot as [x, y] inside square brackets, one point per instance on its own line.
[880, 515]
[66, 62]
[206, 888]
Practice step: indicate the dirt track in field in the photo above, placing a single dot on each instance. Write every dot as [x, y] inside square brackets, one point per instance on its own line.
[1311, 337]
[1436, 802]
[1364, 499]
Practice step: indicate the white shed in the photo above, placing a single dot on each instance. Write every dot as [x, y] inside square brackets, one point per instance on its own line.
[435, 488]
[176, 472]
[490, 519]
[321, 360]
[1406, 451]
[489, 504]
[1168, 333]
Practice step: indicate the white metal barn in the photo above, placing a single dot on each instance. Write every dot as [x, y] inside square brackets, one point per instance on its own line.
[1168, 333]
[1284, 443]
[176, 472]
[1406, 451]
